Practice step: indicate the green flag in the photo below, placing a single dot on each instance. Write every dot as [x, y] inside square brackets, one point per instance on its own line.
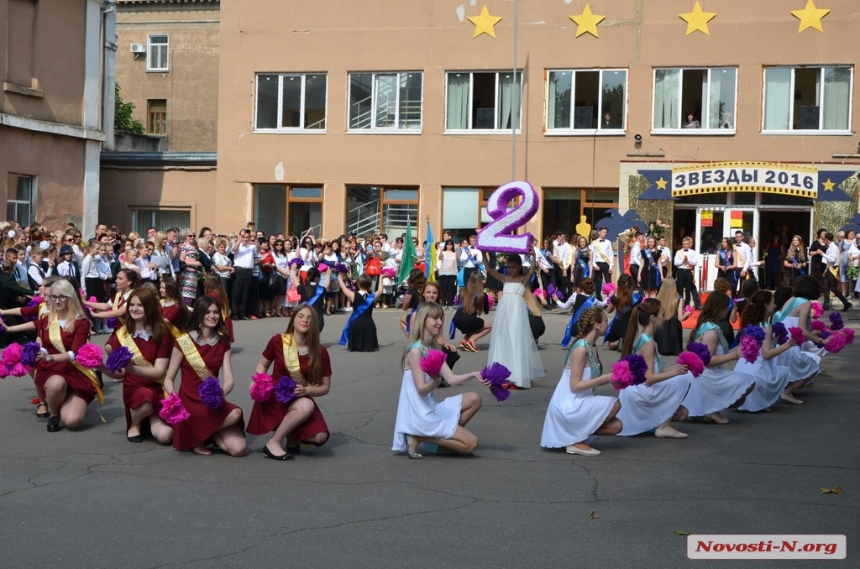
[407, 257]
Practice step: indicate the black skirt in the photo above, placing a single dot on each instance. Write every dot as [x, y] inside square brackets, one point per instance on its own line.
[467, 323]
[670, 338]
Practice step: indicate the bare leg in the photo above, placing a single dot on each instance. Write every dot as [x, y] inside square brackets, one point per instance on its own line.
[610, 427]
[55, 393]
[297, 413]
[481, 333]
[463, 441]
[73, 410]
[162, 432]
[231, 440]
[471, 405]
[137, 417]
[231, 419]
[743, 398]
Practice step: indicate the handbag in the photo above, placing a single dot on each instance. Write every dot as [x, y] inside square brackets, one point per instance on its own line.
[277, 282]
[293, 294]
[373, 267]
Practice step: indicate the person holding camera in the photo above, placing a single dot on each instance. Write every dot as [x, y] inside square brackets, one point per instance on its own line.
[244, 252]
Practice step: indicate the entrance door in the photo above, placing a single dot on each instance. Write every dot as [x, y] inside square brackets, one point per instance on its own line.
[712, 224]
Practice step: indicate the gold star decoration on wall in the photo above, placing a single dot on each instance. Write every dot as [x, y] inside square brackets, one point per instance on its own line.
[810, 17]
[586, 23]
[697, 20]
[662, 183]
[484, 23]
[828, 185]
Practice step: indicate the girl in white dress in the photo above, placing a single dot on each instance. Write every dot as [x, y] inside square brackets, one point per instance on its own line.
[717, 388]
[772, 379]
[420, 418]
[575, 413]
[512, 344]
[804, 361]
[657, 402]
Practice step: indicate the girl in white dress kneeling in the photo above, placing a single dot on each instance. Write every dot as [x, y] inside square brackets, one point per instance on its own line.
[420, 418]
[575, 413]
[657, 402]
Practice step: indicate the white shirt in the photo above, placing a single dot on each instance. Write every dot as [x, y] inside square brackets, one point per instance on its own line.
[542, 261]
[470, 257]
[243, 257]
[602, 248]
[832, 254]
[665, 255]
[853, 253]
[636, 253]
[222, 261]
[745, 253]
[562, 254]
[684, 258]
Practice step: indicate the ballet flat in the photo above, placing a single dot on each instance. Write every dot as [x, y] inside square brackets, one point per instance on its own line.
[574, 450]
[412, 448]
[269, 454]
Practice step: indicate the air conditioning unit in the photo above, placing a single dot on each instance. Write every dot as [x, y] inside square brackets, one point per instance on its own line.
[138, 48]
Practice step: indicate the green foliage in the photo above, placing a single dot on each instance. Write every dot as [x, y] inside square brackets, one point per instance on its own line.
[122, 116]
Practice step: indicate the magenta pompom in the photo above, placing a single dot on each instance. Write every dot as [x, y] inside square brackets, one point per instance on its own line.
[284, 390]
[750, 349]
[90, 355]
[432, 363]
[817, 309]
[693, 362]
[608, 289]
[755, 332]
[211, 393]
[4, 370]
[29, 352]
[835, 344]
[118, 359]
[497, 375]
[389, 272]
[172, 411]
[817, 326]
[539, 293]
[849, 335]
[630, 370]
[19, 370]
[700, 350]
[796, 334]
[262, 387]
[12, 354]
[688, 309]
[491, 301]
[322, 267]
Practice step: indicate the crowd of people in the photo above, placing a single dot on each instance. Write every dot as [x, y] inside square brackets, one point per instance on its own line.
[170, 298]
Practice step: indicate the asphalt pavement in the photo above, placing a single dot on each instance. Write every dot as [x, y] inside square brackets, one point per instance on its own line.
[88, 498]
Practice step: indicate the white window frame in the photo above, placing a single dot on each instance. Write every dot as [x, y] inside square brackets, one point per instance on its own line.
[279, 118]
[152, 47]
[136, 220]
[586, 131]
[808, 132]
[373, 100]
[494, 130]
[694, 131]
[31, 205]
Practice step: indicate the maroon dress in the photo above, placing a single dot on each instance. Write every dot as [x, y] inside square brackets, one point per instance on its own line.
[138, 390]
[204, 422]
[266, 416]
[79, 383]
[171, 313]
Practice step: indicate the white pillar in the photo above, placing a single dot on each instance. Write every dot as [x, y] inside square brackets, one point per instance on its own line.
[92, 115]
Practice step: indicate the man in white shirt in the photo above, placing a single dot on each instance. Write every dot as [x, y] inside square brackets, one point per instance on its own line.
[743, 253]
[636, 254]
[244, 253]
[686, 261]
[469, 257]
[603, 259]
[665, 257]
[833, 257]
[562, 256]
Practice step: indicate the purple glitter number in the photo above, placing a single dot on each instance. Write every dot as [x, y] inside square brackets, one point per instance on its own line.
[498, 235]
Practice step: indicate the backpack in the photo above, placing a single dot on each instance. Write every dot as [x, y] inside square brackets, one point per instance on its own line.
[373, 267]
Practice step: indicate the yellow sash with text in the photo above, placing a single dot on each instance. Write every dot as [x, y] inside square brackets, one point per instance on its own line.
[291, 359]
[126, 340]
[56, 337]
[186, 344]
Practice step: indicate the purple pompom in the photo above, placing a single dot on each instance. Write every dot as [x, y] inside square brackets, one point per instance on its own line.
[29, 352]
[118, 359]
[755, 332]
[112, 323]
[211, 393]
[700, 350]
[341, 268]
[298, 262]
[284, 390]
[836, 322]
[552, 291]
[497, 375]
[780, 332]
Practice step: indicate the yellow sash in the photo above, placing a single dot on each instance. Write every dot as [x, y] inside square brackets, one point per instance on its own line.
[600, 252]
[291, 359]
[186, 344]
[116, 300]
[43, 309]
[126, 340]
[57, 341]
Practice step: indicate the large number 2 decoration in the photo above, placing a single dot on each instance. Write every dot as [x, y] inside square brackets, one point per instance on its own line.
[497, 236]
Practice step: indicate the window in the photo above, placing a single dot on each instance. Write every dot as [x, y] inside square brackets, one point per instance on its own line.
[807, 98]
[690, 99]
[563, 208]
[156, 53]
[288, 209]
[291, 101]
[483, 101]
[20, 202]
[373, 209]
[156, 111]
[385, 101]
[587, 101]
[20, 42]
[141, 219]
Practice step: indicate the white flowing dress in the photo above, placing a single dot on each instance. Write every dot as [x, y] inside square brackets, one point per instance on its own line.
[770, 380]
[512, 344]
[572, 417]
[802, 361]
[647, 406]
[717, 388]
[422, 416]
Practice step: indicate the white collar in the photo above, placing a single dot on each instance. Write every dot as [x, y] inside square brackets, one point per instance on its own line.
[144, 334]
[197, 339]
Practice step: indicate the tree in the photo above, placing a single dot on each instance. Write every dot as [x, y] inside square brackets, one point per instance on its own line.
[122, 116]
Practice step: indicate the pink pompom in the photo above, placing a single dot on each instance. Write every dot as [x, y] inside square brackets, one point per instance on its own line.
[4, 370]
[19, 370]
[608, 289]
[12, 354]
[688, 310]
[835, 343]
[693, 362]
[89, 355]
[92, 299]
[491, 300]
[817, 326]
[539, 293]
[817, 309]
[750, 349]
[172, 411]
[432, 363]
[262, 387]
[621, 375]
[849, 335]
[797, 335]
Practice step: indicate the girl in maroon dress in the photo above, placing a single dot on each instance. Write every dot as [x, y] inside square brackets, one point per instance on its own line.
[201, 353]
[126, 281]
[173, 309]
[297, 353]
[213, 288]
[67, 386]
[145, 333]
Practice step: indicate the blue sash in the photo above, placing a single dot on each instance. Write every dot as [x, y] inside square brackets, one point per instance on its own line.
[356, 312]
[316, 297]
[783, 314]
[452, 330]
[409, 320]
[584, 266]
[568, 332]
[655, 267]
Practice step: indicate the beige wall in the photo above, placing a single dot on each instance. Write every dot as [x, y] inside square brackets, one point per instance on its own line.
[429, 36]
[125, 189]
[191, 84]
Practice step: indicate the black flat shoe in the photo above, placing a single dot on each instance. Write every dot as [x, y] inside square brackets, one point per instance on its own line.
[44, 415]
[294, 450]
[135, 439]
[54, 424]
[268, 454]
